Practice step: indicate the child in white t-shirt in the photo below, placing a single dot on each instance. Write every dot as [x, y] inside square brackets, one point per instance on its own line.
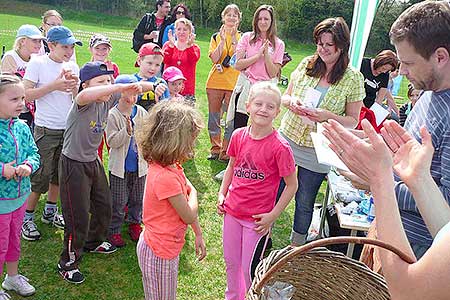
[52, 81]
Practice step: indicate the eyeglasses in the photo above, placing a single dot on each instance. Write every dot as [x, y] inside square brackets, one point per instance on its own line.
[52, 24]
[180, 12]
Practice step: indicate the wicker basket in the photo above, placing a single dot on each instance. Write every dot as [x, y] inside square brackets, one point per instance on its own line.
[319, 274]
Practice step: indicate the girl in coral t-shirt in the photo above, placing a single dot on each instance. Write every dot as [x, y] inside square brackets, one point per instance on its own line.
[166, 140]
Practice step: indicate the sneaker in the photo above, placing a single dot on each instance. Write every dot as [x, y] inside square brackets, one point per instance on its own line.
[18, 284]
[72, 276]
[134, 230]
[4, 295]
[55, 219]
[30, 231]
[117, 240]
[105, 248]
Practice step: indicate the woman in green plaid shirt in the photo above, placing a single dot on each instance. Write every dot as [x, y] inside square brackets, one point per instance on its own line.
[322, 87]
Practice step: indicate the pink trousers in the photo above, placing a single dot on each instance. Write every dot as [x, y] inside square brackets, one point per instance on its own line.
[10, 226]
[239, 250]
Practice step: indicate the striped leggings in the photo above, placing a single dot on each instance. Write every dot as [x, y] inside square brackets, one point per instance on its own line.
[159, 275]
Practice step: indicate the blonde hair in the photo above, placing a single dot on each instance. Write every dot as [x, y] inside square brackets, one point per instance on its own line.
[185, 22]
[264, 87]
[51, 13]
[18, 43]
[231, 7]
[168, 134]
[7, 79]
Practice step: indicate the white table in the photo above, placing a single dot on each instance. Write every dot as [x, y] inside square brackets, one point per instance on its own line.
[338, 184]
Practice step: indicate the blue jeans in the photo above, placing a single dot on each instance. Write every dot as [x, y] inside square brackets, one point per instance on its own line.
[309, 183]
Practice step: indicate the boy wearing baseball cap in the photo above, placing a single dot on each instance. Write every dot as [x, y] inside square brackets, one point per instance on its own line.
[126, 165]
[149, 61]
[85, 195]
[52, 81]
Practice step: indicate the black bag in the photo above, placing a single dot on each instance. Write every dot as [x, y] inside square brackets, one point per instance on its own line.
[137, 43]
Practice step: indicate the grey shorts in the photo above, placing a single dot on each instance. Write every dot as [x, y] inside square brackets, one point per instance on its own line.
[49, 143]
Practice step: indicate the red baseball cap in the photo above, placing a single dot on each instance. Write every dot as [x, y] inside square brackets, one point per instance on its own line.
[149, 49]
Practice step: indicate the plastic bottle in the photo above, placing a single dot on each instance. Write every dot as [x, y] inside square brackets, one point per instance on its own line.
[371, 214]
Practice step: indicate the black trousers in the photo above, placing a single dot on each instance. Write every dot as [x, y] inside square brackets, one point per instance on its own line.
[86, 207]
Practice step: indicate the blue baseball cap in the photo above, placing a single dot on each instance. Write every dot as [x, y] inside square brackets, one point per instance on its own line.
[30, 31]
[94, 69]
[62, 35]
[125, 78]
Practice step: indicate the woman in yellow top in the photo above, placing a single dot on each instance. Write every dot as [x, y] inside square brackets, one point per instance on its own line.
[222, 77]
[322, 87]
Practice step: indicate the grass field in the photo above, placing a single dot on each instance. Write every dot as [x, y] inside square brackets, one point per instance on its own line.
[118, 276]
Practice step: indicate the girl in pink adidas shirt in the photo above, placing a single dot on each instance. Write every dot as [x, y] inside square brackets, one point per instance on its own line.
[259, 158]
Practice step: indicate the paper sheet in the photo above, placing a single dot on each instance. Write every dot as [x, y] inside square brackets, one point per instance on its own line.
[325, 155]
[380, 112]
[312, 97]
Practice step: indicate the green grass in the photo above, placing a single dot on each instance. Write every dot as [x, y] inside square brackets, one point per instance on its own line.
[118, 276]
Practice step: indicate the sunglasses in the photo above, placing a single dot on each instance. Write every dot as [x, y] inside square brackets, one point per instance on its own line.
[180, 12]
[267, 7]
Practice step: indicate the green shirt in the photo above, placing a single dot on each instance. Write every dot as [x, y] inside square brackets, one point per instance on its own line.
[349, 89]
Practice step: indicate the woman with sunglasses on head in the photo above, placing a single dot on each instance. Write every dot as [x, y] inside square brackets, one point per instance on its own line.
[259, 55]
[222, 78]
[323, 86]
[179, 11]
[51, 18]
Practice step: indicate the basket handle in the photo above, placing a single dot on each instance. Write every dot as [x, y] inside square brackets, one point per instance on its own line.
[331, 241]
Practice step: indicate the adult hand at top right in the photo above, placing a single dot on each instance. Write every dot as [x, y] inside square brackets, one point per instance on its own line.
[412, 160]
[368, 160]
